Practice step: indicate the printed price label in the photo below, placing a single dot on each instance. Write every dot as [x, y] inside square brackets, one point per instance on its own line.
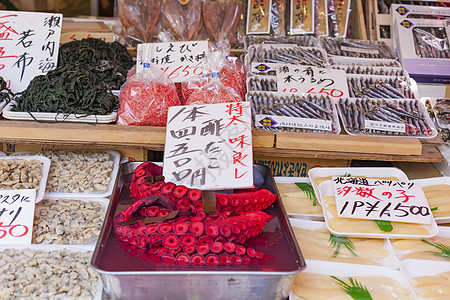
[281, 121]
[297, 79]
[385, 126]
[377, 199]
[209, 147]
[179, 60]
[360, 50]
[16, 216]
[259, 14]
[29, 44]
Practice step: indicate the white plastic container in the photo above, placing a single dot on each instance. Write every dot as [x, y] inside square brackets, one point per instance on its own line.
[436, 181]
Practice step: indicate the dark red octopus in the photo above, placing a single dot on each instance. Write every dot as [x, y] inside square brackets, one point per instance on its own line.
[191, 237]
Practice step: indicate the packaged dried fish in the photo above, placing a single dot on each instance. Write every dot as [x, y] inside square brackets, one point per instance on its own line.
[387, 117]
[370, 70]
[299, 40]
[262, 83]
[359, 61]
[379, 87]
[431, 42]
[284, 112]
[338, 15]
[302, 17]
[357, 48]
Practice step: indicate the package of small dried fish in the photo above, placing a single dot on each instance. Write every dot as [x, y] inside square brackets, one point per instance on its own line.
[360, 61]
[369, 86]
[440, 108]
[357, 48]
[299, 40]
[284, 112]
[431, 42]
[386, 117]
[262, 83]
[372, 70]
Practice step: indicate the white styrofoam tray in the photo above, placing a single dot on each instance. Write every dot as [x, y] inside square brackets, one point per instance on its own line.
[115, 156]
[44, 172]
[326, 189]
[2, 153]
[389, 262]
[434, 181]
[46, 116]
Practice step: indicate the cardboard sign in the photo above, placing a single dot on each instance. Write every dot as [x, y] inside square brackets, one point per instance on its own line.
[259, 14]
[29, 44]
[298, 79]
[16, 216]
[302, 17]
[378, 199]
[209, 147]
[179, 60]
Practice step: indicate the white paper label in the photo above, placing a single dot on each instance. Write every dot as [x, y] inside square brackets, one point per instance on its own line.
[16, 216]
[282, 121]
[209, 147]
[178, 60]
[29, 44]
[385, 126]
[377, 199]
[298, 79]
[359, 50]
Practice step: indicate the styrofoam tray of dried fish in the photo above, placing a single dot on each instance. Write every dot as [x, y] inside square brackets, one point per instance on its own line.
[288, 112]
[262, 83]
[437, 191]
[22, 180]
[372, 70]
[41, 268]
[99, 174]
[372, 86]
[358, 61]
[365, 282]
[357, 48]
[318, 243]
[441, 110]
[285, 53]
[299, 40]
[386, 117]
[429, 279]
[74, 221]
[299, 200]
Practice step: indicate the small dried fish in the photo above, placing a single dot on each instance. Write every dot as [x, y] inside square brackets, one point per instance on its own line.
[293, 55]
[379, 87]
[357, 48]
[371, 70]
[265, 84]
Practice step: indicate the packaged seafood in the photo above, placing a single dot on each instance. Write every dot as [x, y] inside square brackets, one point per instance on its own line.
[298, 198]
[338, 14]
[262, 83]
[284, 112]
[360, 61]
[266, 18]
[327, 280]
[429, 279]
[353, 227]
[35, 169]
[441, 110]
[357, 48]
[386, 117]
[128, 272]
[317, 243]
[372, 70]
[376, 86]
[299, 40]
[302, 17]
[435, 248]
[437, 191]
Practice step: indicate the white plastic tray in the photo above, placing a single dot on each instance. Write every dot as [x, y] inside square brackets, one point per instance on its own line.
[389, 261]
[349, 270]
[2, 105]
[2, 153]
[358, 61]
[434, 181]
[115, 155]
[44, 172]
[355, 172]
[315, 217]
[326, 189]
[44, 116]
[73, 248]
[443, 124]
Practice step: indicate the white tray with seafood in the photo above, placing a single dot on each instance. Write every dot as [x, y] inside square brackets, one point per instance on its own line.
[436, 248]
[366, 282]
[318, 243]
[359, 61]
[2, 105]
[437, 191]
[369, 228]
[428, 279]
[67, 180]
[441, 111]
[319, 175]
[299, 201]
[8, 113]
[66, 272]
[69, 221]
[43, 174]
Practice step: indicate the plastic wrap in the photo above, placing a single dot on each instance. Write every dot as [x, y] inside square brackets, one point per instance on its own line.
[369, 86]
[357, 48]
[301, 17]
[431, 42]
[338, 15]
[145, 98]
[300, 40]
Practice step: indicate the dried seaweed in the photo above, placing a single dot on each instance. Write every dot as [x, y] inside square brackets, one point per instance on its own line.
[5, 93]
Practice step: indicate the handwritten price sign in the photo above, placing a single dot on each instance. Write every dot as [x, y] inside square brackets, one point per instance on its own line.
[16, 216]
[312, 80]
[179, 60]
[375, 199]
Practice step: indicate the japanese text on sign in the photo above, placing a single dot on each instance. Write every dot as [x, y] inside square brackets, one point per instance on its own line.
[376, 199]
[16, 216]
[209, 147]
[29, 44]
[312, 80]
[385, 126]
[178, 60]
[259, 14]
[302, 17]
[294, 122]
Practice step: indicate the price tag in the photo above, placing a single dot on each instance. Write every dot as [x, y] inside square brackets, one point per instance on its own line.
[298, 79]
[209, 147]
[16, 216]
[385, 126]
[302, 17]
[377, 199]
[178, 60]
[29, 44]
[259, 14]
